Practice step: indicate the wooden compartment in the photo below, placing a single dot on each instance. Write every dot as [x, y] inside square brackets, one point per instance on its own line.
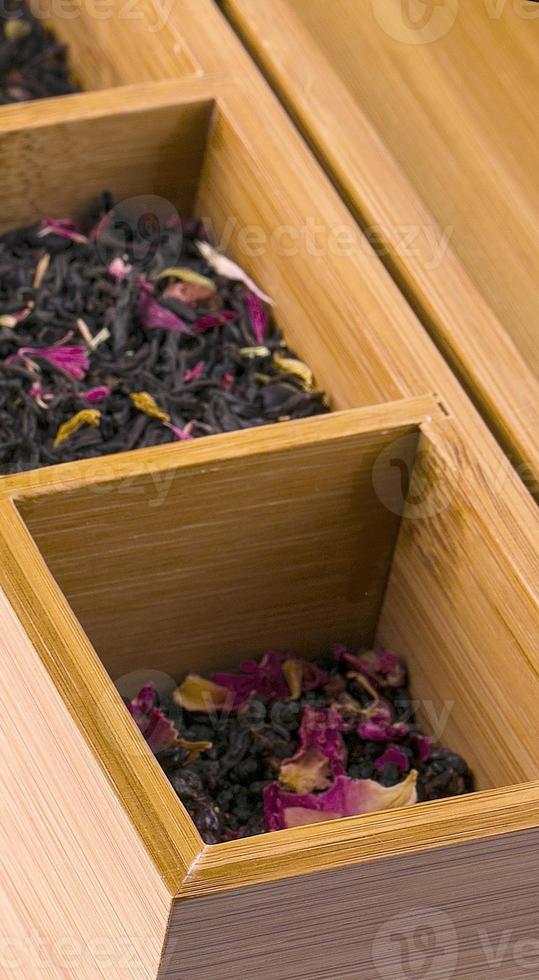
[293, 536]
[425, 117]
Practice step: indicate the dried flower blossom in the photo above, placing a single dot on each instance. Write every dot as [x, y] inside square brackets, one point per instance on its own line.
[73, 360]
[230, 270]
[345, 798]
[87, 416]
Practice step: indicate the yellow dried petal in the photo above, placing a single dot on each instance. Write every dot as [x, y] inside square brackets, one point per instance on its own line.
[290, 365]
[255, 351]
[15, 29]
[194, 749]
[199, 694]
[8, 320]
[293, 672]
[147, 404]
[88, 416]
[186, 275]
[311, 771]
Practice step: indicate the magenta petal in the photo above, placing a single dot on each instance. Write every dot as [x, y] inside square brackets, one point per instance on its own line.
[345, 798]
[421, 745]
[63, 227]
[258, 317]
[215, 320]
[181, 434]
[97, 394]
[156, 317]
[265, 679]
[72, 360]
[119, 269]
[194, 373]
[393, 755]
[159, 732]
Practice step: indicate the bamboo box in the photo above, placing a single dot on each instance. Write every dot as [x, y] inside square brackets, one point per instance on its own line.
[374, 524]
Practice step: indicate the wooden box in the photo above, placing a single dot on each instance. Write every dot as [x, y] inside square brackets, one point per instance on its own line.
[425, 116]
[292, 536]
[102, 847]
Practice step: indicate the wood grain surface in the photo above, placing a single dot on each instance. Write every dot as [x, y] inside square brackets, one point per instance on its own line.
[450, 913]
[434, 146]
[80, 896]
[346, 317]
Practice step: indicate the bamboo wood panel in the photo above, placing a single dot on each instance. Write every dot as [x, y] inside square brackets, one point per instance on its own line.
[434, 146]
[64, 837]
[440, 915]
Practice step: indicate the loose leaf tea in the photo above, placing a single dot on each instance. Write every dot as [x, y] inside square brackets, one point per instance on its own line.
[285, 742]
[108, 346]
[33, 65]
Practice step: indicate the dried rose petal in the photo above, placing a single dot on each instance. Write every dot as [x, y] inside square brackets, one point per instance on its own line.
[345, 798]
[153, 316]
[421, 746]
[293, 671]
[308, 771]
[320, 737]
[199, 694]
[382, 667]
[265, 679]
[159, 732]
[393, 756]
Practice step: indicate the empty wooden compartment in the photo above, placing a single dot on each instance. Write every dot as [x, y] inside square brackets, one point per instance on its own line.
[295, 536]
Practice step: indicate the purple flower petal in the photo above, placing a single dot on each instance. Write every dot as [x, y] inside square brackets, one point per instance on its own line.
[63, 227]
[320, 738]
[421, 746]
[194, 373]
[72, 360]
[265, 679]
[156, 317]
[258, 316]
[215, 320]
[345, 798]
[393, 756]
[97, 394]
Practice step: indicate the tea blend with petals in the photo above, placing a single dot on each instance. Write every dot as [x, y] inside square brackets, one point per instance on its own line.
[285, 742]
[33, 64]
[130, 333]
